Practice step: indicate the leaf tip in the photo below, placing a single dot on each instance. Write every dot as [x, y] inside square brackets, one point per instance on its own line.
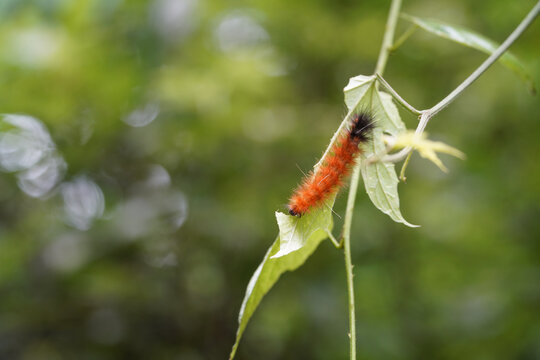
[411, 225]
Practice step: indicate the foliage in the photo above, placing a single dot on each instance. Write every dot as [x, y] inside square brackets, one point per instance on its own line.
[176, 130]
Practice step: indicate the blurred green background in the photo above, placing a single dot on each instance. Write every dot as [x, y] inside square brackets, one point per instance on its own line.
[155, 139]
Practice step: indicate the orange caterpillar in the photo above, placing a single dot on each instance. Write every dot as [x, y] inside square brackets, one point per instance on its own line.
[319, 186]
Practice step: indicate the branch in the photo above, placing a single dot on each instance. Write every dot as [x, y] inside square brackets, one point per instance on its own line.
[427, 114]
[396, 96]
[388, 39]
[489, 61]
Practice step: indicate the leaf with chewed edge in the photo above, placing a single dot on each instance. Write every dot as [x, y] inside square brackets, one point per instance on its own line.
[380, 178]
[298, 239]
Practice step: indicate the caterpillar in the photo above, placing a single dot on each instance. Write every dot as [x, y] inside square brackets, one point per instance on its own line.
[318, 186]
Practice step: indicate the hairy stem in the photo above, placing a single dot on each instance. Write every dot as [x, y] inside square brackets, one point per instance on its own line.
[388, 39]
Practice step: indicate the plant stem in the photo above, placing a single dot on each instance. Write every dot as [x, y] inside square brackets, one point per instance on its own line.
[388, 39]
[407, 34]
[426, 115]
[429, 113]
[348, 262]
[489, 61]
[424, 119]
[337, 244]
[396, 96]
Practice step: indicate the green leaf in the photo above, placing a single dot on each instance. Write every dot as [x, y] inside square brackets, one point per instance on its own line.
[388, 114]
[298, 239]
[380, 178]
[355, 91]
[474, 40]
[381, 181]
[295, 232]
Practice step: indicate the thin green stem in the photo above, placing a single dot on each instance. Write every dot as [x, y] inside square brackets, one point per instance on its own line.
[429, 113]
[407, 34]
[489, 61]
[424, 119]
[348, 262]
[388, 39]
[337, 244]
[396, 96]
